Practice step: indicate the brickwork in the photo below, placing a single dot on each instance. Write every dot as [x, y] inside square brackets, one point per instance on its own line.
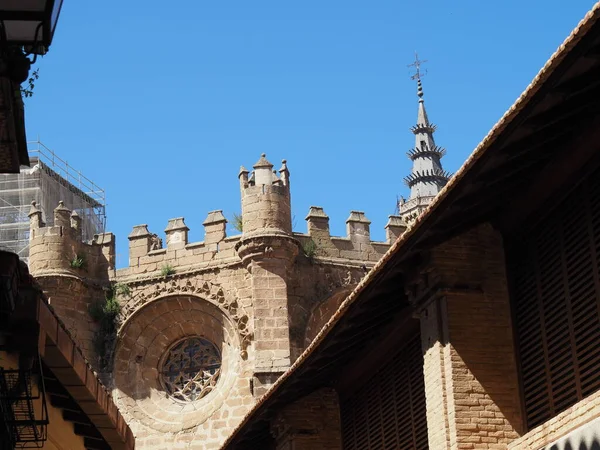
[470, 369]
[569, 420]
[312, 422]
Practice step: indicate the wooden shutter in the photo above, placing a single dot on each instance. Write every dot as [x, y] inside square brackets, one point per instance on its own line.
[556, 294]
[389, 411]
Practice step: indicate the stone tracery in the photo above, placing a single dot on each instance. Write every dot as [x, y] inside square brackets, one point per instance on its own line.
[191, 369]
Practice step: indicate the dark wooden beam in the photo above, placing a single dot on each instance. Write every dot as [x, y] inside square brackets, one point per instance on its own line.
[64, 403]
[95, 444]
[89, 431]
[76, 417]
[585, 99]
[557, 177]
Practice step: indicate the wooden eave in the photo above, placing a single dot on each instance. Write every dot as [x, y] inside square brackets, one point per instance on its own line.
[494, 186]
[71, 383]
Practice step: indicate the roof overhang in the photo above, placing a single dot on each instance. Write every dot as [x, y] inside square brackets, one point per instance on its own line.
[71, 383]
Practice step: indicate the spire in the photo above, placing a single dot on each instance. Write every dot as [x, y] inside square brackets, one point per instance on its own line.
[427, 176]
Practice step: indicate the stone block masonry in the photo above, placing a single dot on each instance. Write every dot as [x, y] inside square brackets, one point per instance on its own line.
[256, 299]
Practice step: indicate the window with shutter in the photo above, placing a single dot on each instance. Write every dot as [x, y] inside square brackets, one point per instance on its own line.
[389, 411]
[556, 297]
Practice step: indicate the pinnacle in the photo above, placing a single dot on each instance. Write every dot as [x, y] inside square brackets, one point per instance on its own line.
[263, 162]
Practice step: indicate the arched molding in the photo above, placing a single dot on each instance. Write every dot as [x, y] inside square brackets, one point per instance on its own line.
[147, 292]
[322, 312]
[145, 339]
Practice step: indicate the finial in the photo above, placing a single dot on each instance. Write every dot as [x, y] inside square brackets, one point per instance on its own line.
[34, 209]
[417, 65]
[262, 162]
[418, 74]
[61, 206]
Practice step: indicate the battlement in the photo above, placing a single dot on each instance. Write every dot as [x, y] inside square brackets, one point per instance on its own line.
[266, 214]
[147, 253]
[356, 245]
[59, 248]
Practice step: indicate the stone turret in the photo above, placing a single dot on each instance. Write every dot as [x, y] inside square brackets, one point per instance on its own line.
[266, 205]
[58, 249]
[268, 250]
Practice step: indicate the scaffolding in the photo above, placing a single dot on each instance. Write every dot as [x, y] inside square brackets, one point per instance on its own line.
[48, 180]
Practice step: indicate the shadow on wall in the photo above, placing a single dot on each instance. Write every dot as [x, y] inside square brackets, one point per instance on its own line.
[322, 312]
[576, 444]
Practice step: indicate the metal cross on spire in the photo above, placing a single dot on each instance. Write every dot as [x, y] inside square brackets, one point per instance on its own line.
[417, 65]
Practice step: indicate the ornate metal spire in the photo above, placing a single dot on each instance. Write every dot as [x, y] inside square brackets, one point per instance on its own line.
[427, 176]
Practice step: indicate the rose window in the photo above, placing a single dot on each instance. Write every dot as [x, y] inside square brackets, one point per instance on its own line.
[191, 369]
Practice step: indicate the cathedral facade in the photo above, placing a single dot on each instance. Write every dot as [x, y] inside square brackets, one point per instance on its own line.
[191, 334]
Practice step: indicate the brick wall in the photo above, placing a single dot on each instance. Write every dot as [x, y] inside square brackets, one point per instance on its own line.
[470, 367]
[569, 420]
[310, 423]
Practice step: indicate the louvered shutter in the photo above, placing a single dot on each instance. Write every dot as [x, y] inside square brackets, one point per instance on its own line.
[556, 294]
[389, 411]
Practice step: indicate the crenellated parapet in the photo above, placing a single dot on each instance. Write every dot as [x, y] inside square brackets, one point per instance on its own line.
[356, 245]
[266, 207]
[147, 254]
[59, 249]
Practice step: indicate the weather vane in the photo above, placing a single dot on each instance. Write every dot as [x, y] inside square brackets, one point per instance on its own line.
[417, 65]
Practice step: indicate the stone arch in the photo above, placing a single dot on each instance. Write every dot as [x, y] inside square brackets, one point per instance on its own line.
[144, 339]
[146, 293]
[322, 312]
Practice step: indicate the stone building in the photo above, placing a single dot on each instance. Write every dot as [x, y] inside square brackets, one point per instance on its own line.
[480, 327]
[191, 334]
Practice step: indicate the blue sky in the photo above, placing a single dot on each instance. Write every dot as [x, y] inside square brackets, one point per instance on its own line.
[160, 106]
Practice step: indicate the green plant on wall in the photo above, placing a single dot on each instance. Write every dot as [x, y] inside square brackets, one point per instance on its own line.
[310, 249]
[167, 270]
[28, 90]
[238, 223]
[106, 315]
[78, 262]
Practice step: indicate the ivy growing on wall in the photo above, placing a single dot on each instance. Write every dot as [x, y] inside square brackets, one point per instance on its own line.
[106, 314]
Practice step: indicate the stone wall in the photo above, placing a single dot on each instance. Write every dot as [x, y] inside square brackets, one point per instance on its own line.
[258, 298]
